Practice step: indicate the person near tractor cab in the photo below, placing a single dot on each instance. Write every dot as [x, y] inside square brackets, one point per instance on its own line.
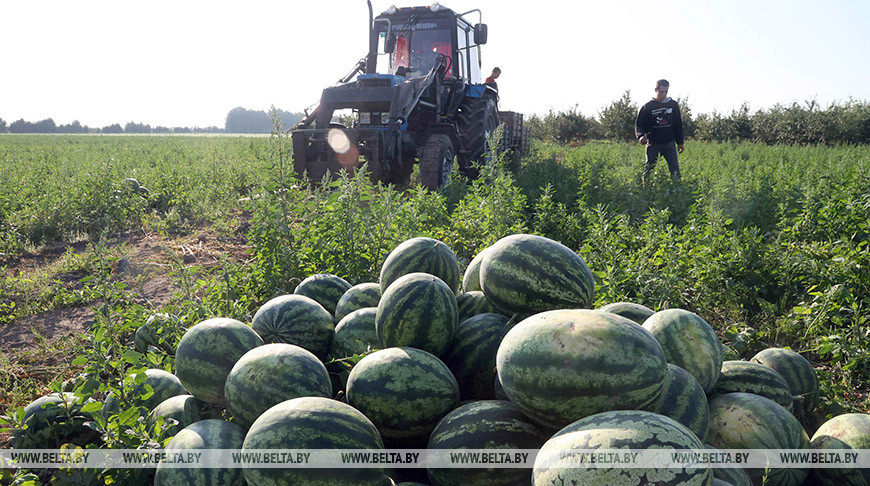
[490, 81]
[660, 127]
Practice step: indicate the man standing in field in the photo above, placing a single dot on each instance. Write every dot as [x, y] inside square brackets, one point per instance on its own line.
[659, 126]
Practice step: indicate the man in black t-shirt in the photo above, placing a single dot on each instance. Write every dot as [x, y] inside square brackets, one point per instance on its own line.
[660, 127]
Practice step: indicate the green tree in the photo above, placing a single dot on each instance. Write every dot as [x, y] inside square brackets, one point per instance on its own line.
[617, 120]
[2, 125]
[113, 128]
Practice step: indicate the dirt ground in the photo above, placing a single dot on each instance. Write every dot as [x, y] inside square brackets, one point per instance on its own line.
[145, 267]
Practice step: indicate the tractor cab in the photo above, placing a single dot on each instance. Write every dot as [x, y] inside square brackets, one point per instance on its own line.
[413, 38]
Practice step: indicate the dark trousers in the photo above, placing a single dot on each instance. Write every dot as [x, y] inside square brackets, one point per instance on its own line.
[667, 150]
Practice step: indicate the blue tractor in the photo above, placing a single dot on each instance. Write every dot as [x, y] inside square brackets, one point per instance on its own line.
[423, 104]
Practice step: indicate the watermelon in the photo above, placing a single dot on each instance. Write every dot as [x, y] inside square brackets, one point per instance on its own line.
[418, 310]
[472, 356]
[163, 383]
[270, 374]
[635, 312]
[471, 277]
[684, 401]
[205, 434]
[472, 303]
[404, 391]
[207, 353]
[746, 377]
[324, 288]
[426, 255]
[847, 431]
[355, 334]
[688, 342]
[621, 429]
[314, 423]
[798, 373]
[49, 425]
[560, 366]
[295, 319]
[486, 424]
[158, 331]
[734, 475]
[750, 421]
[530, 274]
[183, 409]
[356, 298]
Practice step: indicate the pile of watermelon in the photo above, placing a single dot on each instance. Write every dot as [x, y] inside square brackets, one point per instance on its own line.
[507, 355]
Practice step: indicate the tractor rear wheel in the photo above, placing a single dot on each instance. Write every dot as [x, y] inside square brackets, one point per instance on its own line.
[476, 119]
[436, 162]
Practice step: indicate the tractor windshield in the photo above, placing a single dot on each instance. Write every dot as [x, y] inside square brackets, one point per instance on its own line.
[418, 46]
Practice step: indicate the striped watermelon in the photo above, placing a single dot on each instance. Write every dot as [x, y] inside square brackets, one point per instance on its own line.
[355, 334]
[271, 374]
[471, 277]
[847, 431]
[157, 328]
[164, 385]
[623, 429]
[295, 319]
[530, 274]
[486, 424]
[207, 353]
[635, 312]
[684, 401]
[404, 391]
[798, 373]
[356, 298]
[183, 409]
[205, 434]
[49, 425]
[314, 423]
[750, 421]
[560, 366]
[746, 377]
[688, 342]
[735, 475]
[472, 303]
[324, 288]
[418, 310]
[426, 255]
[471, 358]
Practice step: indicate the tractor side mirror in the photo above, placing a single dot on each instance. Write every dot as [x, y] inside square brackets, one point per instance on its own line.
[390, 44]
[480, 34]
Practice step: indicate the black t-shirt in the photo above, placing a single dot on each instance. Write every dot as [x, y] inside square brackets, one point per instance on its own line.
[660, 121]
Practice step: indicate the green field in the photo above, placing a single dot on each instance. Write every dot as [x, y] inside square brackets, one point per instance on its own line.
[770, 244]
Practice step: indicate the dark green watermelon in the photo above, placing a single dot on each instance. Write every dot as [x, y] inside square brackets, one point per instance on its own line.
[471, 358]
[418, 310]
[324, 288]
[295, 319]
[529, 274]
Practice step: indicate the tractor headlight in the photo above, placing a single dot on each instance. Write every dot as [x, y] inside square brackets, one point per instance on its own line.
[435, 7]
[365, 118]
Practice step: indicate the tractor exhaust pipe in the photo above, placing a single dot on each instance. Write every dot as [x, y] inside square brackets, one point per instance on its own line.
[372, 57]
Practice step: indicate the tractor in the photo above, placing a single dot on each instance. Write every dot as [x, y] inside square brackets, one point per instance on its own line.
[424, 104]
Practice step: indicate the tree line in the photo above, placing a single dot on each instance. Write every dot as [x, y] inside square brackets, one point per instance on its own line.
[239, 120]
[807, 123]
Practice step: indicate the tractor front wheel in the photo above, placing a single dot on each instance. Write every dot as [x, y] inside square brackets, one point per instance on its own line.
[436, 162]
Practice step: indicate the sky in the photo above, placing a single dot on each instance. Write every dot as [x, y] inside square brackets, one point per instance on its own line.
[189, 62]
